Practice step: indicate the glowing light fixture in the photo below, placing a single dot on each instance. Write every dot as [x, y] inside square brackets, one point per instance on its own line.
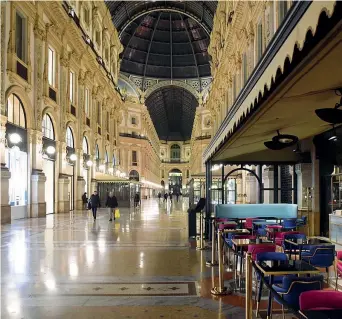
[101, 167]
[73, 157]
[15, 138]
[50, 150]
[89, 163]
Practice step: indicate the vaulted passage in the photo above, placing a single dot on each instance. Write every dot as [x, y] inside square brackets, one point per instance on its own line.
[172, 110]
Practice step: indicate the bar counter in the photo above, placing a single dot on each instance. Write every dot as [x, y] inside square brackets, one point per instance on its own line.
[335, 229]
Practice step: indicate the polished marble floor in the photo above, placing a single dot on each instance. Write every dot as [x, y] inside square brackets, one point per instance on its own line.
[140, 266]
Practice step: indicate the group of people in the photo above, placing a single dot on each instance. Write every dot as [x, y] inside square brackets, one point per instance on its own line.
[168, 195]
[94, 202]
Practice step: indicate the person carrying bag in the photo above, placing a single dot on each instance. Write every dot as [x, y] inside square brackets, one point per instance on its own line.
[112, 204]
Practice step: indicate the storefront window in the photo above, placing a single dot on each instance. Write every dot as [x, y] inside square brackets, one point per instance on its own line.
[16, 161]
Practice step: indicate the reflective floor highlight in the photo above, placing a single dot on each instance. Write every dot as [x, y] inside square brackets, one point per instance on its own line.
[140, 266]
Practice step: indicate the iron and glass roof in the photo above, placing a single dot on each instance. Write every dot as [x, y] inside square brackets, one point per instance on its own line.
[172, 110]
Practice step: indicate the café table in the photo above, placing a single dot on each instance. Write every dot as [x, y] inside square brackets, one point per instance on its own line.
[240, 244]
[282, 268]
[323, 314]
[311, 241]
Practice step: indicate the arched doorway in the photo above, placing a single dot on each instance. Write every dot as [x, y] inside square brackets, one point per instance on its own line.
[16, 156]
[134, 175]
[175, 181]
[49, 156]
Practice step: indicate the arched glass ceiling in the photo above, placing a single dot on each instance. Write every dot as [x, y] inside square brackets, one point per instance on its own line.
[172, 110]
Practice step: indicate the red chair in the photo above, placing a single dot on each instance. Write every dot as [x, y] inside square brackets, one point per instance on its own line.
[255, 249]
[279, 236]
[320, 300]
[338, 266]
[249, 222]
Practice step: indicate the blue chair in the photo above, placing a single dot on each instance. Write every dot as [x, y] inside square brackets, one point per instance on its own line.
[288, 248]
[292, 287]
[275, 256]
[289, 223]
[321, 256]
[302, 221]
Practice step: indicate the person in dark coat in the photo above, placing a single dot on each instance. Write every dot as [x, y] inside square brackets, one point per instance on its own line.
[177, 196]
[85, 200]
[170, 195]
[165, 197]
[159, 196]
[95, 203]
[136, 200]
[111, 203]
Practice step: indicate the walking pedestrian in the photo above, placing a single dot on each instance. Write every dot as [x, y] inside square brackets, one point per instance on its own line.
[177, 196]
[159, 196]
[111, 204]
[136, 200]
[170, 195]
[165, 197]
[85, 200]
[95, 203]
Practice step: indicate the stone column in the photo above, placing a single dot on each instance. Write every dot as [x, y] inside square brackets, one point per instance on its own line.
[63, 180]
[251, 190]
[5, 175]
[38, 178]
[268, 180]
[239, 189]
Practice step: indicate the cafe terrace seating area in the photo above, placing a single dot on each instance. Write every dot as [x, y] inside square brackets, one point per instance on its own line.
[275, 265]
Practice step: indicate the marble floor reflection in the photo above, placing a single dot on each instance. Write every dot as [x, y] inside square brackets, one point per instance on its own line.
[140, 266]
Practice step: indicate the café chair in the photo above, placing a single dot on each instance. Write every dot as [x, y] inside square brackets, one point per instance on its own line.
[302, 221]
[289, 223]
[279, 237]
[287, 247]
[267, 256]
[292, 287]
[320, 256]
[320, 300]
[250, 220]
[338, 266]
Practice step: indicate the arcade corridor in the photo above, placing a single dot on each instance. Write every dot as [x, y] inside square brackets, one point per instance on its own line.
[140, 266]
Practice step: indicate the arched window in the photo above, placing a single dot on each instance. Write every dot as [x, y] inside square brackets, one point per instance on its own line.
[114, 160]
[134, 175]
[15, 111]
[47, 127]
[69, 138]
[85, 145]
[97, 152]
[175, 152]
[106, 157]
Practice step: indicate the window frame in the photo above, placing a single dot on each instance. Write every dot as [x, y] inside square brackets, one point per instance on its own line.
[85, 145]
[52, 69]
[69, 137]
[134, 156]
[24, 38]
[48, 132]
[87, 102]
[20, 112]
[72, 87]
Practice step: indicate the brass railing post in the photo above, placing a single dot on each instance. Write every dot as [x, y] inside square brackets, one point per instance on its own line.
[201, 246]
[221, 289]
[249, 279]
[213, 261]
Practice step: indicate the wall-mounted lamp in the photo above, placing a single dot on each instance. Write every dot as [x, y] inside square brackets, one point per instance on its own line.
[89, 163]
[50, 150]
[102, 167]
[73, 157]
[15, 138]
